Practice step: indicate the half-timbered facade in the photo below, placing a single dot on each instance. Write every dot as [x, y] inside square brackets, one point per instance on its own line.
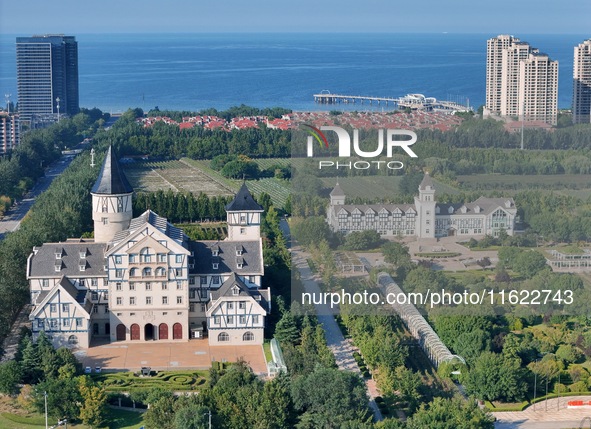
[142, 279]
[426, 218]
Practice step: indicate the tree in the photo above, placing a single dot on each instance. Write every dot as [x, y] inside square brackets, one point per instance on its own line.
[286, 330]
[450, 414]
[191, 417]
[529, 263]
[94, 402]
[63, 397]
[11, 375]
[161, 413]
[568, 353]
[329, 398]
[395, 253]
[311, 230]
[494, 377]
[362, 240]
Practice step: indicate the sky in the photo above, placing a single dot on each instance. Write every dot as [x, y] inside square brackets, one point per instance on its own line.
[383, 16]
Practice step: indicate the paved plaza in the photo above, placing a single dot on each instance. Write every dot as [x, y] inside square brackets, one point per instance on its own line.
[161, 355]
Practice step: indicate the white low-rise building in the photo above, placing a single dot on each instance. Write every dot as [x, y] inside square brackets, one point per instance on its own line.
[426, 218]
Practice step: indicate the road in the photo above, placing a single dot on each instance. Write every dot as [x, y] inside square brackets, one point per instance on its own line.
[12, 220]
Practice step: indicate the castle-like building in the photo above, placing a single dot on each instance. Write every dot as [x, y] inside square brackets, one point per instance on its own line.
[143, 279]
[426, 218]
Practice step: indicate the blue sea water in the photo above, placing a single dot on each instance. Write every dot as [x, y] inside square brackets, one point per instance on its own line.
[196, 71]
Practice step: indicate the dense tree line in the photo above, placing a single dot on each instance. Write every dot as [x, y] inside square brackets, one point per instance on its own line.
[63, 211]
[232, 112]
[179, 207]
[168, 141]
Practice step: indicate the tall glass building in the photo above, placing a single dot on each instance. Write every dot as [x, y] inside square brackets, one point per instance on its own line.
[47, 77]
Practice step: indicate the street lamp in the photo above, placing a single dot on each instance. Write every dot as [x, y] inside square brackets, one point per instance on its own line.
[45, 397]
[208, 414]
[57, 100]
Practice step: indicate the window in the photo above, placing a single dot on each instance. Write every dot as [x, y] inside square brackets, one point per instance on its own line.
[178, 272]
[161, 257]
[119, 300]
[248, 336]
[40, 324]
[132, 300]
[57, 268]
[66, 308]
[242, 320]
[223, 337]
[230, 306]
[203, 308]
[191, 280]
[235, 291]
[45, 283]
[106, 309]
[255, 319]
[66, 322]
[117, 259]
[147, 272]
[160, 272]
[242, 305]
[105, 220]
[119, 273]
[203, 293]
[148, 286]
[164, 286]
[230, 320]
[148, 300]
[119, 204]
[94, 282]
[95, 309]
[215, 280]
[203, 280]
[179, 299]
[216, 320]
[94, 296]
[118, 286]
[53, 323]
[78, 322]
[105, 281]
[242, 230]
[192, 308]
[179, 259]
[131, 286]
[82, 282]
[72, 339]
[132, 258]
[105, 206]
[164, 300]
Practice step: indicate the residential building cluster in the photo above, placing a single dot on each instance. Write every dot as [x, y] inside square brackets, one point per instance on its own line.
[9, 131]
[520, 81]
[143, 279]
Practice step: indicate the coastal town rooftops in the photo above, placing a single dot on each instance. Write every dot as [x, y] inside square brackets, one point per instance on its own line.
[243, 202]
[111, 179]
[67, 259]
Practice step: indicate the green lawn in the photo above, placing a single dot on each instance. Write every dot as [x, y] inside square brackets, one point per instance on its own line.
[119, 419]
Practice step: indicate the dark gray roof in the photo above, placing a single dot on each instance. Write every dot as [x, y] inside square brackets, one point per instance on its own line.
[111, 179]
[44, 260]
[159, 222]
[337, 191]
[427, 181]
[227, 258]
[225, 290]
[482, 205]
[363, 208]
[243, 201]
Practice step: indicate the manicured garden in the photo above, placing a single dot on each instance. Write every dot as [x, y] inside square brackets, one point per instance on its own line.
[172, 380]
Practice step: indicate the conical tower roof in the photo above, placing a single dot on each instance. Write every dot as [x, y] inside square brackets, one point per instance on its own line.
[426, 182]
[337, 191]
[243, 202]
[111, 179]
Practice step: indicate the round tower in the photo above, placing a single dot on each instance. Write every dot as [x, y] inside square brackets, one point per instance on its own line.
[111, 200]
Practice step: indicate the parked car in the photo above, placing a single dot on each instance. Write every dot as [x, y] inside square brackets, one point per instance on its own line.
[97, 369]
[87, 370]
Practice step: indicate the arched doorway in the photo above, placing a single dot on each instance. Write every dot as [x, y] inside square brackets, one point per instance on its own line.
[135, 331]
[148, 332]
[163, 331]
[177, 331]
[120, 332]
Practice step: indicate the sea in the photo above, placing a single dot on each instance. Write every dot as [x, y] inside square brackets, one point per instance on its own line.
[198, 71]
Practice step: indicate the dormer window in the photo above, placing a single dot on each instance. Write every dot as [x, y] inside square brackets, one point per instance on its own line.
[239, 264]
[450, 210]
[215, 251]
[59, 253]
[239, 250]
[57, 267]
[235, 291]
[215, 265]
[83, 254]
[82, 265]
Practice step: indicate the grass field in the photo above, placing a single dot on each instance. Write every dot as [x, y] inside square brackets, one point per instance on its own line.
[119, 419]
[566, 182]
[175, 175]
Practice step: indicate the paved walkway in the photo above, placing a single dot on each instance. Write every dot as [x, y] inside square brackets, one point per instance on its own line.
[168, 355]
[11, 342]
[340, 347]
[550, 414]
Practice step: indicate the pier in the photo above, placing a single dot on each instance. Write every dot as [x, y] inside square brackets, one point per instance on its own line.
[411, 101]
